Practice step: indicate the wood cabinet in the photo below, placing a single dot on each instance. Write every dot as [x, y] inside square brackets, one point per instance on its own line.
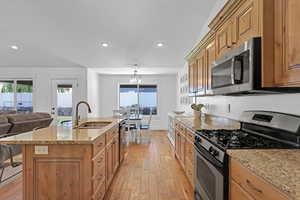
[64, 173]
[287, 41]
[210, 53]
[193, 76]
[201, 70]
[109, 163]
[244, 185]
[275, 22]
[246, 21]
[185, 151]
[116, 153]
[225, 38]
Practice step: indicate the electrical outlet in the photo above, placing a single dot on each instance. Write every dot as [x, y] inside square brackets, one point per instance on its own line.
[41, 150]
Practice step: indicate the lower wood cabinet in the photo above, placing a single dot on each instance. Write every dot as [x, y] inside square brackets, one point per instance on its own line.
[185, 152]
[244, 185]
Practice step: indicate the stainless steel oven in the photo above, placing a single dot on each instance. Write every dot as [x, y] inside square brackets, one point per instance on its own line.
[210, 172]
[239, 70]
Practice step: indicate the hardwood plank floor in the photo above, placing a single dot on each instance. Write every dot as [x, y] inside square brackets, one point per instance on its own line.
[149, 172]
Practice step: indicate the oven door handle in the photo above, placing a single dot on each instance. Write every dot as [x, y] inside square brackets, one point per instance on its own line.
[207, 156]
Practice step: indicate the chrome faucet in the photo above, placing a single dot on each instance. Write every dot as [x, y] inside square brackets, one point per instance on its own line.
[77, 114]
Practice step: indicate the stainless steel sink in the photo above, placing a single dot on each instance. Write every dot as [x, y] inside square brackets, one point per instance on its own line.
[93, 125]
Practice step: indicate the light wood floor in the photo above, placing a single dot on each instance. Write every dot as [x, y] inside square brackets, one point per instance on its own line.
[149, 172]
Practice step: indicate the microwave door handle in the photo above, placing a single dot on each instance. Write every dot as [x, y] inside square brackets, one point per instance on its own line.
[232, 71]
[237, 70]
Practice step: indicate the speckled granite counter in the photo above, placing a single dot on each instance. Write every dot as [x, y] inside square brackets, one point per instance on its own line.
[62, 135]
[280, 168]
[209, 122]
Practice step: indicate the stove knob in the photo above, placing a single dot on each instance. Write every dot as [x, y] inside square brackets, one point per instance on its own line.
[211, 149]
[198, 139]
[215, 153]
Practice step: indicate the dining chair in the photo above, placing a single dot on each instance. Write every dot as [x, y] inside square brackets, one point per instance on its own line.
[146, 126]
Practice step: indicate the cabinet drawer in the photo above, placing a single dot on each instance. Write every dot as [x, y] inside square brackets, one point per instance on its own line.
[99, 144]
[99, 161]
[99, 178]
[254, 185]
[100, 193]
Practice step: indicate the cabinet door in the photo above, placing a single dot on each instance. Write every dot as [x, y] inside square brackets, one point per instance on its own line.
[116, 153]
[287, 41]
[182, 150]
[201, 78]
[246, 21]
[177, 144]
[237, 193]
[224, 38]
[109, 163]
[210, 58]
[191, 76]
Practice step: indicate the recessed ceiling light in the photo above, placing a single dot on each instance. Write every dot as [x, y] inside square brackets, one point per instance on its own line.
[104, 44]
[160, 44]
[14, 47]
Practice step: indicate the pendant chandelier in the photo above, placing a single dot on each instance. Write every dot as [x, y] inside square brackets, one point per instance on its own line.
[135, 78]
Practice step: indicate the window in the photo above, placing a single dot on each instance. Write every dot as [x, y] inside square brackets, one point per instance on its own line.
[16, 95]
[143, 97]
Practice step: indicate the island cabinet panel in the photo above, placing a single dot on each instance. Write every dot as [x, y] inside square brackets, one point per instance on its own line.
[116, 153]
[62, 172]
[287, 37]
[244, 184]
[109, 164]
[247, 21]
[237, 193]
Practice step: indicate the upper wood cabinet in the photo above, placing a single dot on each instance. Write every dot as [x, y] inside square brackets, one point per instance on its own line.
[246, 21]
[274, 21]
[193, 81]
[287, 37]
[225, 38]
[201, 70]
[210, 53]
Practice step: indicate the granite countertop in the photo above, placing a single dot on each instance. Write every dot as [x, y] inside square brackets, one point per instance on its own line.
[209, 122]
[62, 135]
[281, 168]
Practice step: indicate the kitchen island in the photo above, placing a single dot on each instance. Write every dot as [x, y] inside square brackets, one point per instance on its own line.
[69, 163]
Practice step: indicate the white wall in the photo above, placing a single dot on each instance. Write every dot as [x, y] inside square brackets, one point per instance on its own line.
[166, 84]
[287, 103]
[93, 92]
[42, 78]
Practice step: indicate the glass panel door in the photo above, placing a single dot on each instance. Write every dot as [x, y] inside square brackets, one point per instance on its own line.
[24, 96]
[63, 101]
[6, 96]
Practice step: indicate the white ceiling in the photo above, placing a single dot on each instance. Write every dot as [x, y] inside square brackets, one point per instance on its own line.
[64, 33]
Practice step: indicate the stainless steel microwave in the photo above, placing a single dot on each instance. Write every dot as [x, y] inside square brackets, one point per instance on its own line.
[239, 70]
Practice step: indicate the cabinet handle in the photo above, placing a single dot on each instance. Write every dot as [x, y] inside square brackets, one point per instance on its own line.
[253, 187]
[100, 144]
[100, 161]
